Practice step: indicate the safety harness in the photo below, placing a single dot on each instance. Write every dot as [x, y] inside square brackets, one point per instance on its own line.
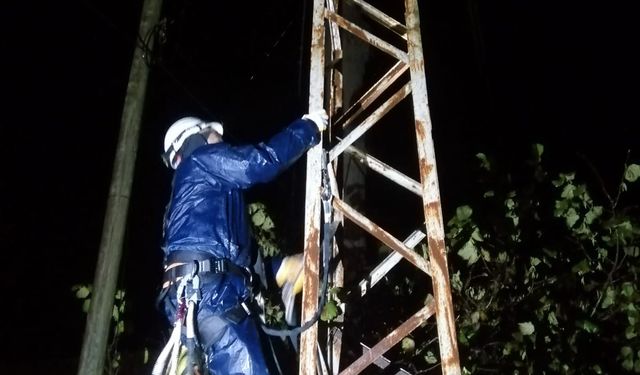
[198, 269]
[189, 277]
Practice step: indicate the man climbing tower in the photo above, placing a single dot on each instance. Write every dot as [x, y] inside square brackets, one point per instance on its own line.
[207, 244]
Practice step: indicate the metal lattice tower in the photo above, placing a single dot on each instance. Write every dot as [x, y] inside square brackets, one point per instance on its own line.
[407, 71]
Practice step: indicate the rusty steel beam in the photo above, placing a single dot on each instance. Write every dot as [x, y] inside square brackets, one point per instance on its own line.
[382, 18]
[310, 285]
[382, 235]
[334, 335]
[386, 170]
[369, 122]
[335, 75]
[372, 94]
[334, 30]
[368, 37]
[431, 196]
[388, 263]
[383, 362]
[390, 340]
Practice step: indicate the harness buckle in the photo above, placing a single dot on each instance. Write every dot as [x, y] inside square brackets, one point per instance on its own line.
[195, 269]
[219, 266]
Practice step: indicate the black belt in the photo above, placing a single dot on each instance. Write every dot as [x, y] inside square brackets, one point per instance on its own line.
[198, 263]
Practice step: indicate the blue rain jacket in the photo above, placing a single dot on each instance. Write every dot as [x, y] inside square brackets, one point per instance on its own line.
[207, 213]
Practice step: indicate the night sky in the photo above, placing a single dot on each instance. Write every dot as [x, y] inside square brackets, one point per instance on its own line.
[501, 75]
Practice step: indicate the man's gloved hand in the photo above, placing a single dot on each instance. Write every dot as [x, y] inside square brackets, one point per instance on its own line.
[319, 117]
[290, 272]
[289, 279]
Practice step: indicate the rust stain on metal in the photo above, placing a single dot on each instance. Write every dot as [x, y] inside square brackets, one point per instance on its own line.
[390, 340]
[416, 64]
[382, 235]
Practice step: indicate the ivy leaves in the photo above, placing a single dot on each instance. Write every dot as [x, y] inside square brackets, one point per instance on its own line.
[263, 229]
[547, 273]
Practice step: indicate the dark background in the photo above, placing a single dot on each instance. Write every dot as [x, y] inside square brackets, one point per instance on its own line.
[501, 75]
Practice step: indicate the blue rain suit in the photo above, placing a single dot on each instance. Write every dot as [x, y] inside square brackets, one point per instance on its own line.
[207, 214]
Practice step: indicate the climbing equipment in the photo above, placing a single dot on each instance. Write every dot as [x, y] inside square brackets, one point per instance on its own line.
[188, 296]
[189, 276]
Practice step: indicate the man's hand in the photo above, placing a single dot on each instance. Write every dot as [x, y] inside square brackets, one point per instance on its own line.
[290, 272]
[319, 117]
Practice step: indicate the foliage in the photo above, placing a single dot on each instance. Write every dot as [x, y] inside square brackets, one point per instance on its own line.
[332, 307]
[546, 276]
[264, 232]
[263, 229]
[83, 293]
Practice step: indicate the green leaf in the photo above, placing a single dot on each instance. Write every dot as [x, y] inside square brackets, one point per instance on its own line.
[552, 318]
[82, 291]
[120, 327]
[456, 283]
[609, 297]
[489, 194]
[560, 208]
[627, 364]
[571, 217]
[627, 355]
[475, 317]
[408, 345]
[535, 261]
[115, 313]
[538, 149]
[632, 251]
[86, 304]
[632, 173]
[588, 326]
[119, 294]
[630, 332]
[258, 218]
[594, 213]
[476, 236]
[526, 328]
[430, 358]
[469, 252]
[581, 268]
[268, 224]
[484, 162]
[509, 203]
[463, 213]
[627, 289]
[568, 192]
[330, 311]
[485, 255]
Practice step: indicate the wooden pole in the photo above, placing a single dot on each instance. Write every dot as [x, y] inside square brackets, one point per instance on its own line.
[96, 335]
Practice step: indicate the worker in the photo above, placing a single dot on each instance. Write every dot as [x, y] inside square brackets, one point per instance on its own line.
[207, 234]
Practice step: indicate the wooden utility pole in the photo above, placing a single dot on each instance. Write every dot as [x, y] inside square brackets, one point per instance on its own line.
[96, 334]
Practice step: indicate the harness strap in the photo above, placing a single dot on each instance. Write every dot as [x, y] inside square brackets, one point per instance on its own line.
[199, 267]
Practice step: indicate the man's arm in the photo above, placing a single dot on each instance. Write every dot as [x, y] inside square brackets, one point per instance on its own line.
[243, 166]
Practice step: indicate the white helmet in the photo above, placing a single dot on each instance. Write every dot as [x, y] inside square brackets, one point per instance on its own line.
[179, 131]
